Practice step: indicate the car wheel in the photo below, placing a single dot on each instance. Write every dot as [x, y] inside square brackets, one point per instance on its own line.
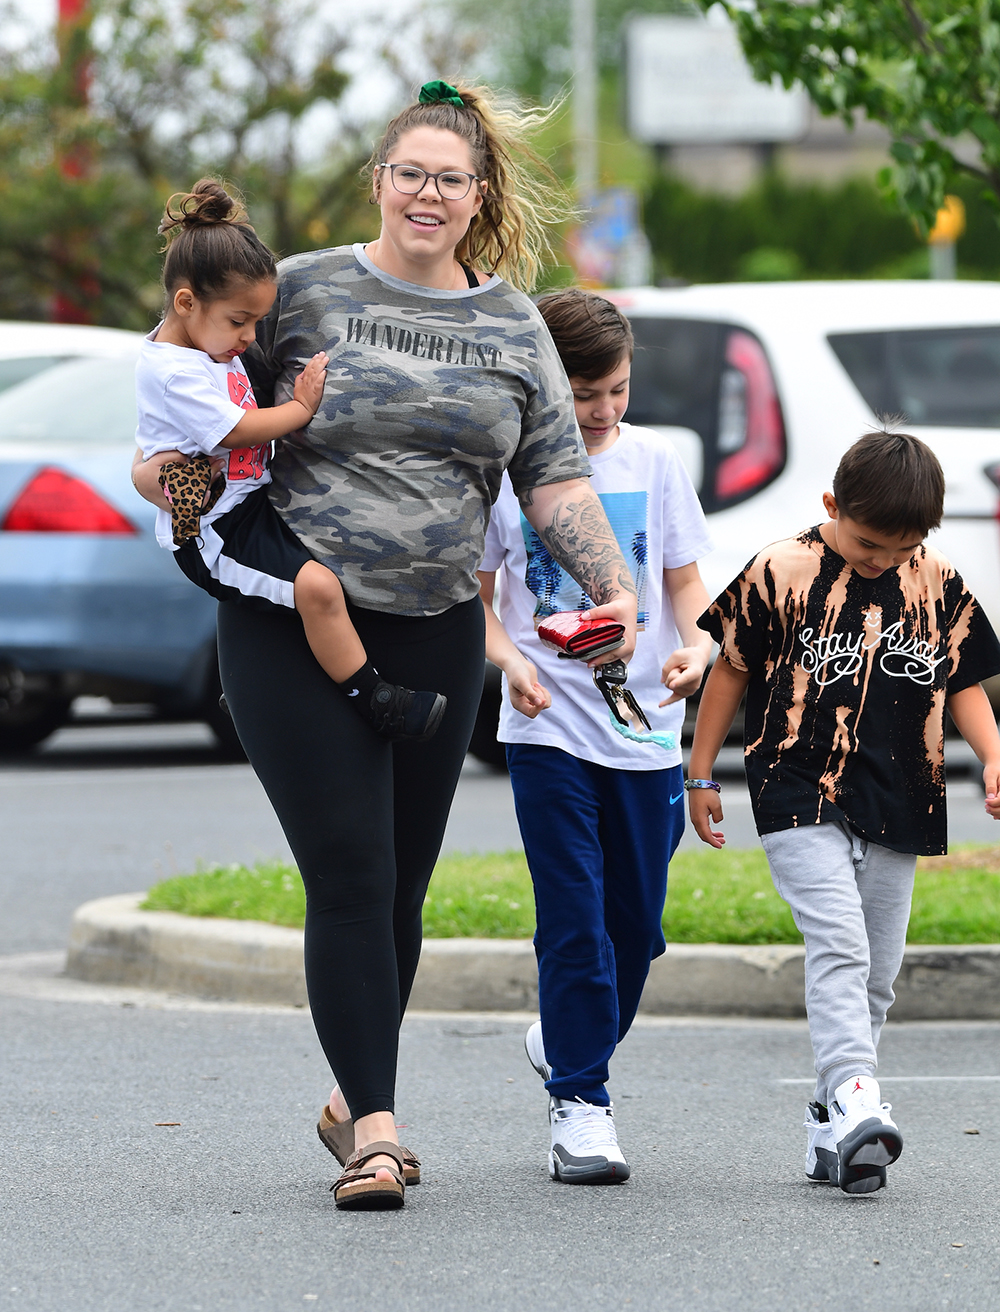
[219, 720]
[484, 746]
[27, 717]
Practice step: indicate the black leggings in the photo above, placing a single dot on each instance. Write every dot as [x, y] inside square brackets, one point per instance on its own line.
[364, 818]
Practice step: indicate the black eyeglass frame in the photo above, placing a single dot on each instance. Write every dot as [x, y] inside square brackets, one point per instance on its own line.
[430, 177]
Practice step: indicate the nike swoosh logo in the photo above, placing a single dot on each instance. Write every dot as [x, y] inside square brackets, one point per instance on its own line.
[677, 798]
[354, 692]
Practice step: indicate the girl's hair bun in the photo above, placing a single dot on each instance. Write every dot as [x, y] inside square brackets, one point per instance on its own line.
[207, 203]
[209, 243]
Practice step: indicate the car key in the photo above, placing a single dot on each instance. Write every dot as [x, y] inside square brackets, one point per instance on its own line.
[610, 679]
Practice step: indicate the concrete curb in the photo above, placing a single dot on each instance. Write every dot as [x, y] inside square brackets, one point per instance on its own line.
[113, 942]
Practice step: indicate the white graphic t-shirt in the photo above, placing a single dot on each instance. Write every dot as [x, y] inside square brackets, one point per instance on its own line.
[659, 524]
[188, 402]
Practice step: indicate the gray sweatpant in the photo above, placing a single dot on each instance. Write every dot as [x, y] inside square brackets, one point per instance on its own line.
[851, 902]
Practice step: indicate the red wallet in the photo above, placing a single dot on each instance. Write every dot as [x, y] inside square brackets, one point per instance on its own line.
[577, 637]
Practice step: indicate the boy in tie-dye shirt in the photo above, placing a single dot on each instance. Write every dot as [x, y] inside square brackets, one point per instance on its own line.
[850, 641]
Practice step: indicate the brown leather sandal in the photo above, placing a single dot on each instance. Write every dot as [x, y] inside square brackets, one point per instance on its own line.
[338, 1138]
[358, 1189]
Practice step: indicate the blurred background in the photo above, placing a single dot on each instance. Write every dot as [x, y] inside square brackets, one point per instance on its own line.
[736, 169]
[687, 169]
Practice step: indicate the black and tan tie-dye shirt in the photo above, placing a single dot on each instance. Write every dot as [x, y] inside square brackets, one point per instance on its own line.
[846, 699]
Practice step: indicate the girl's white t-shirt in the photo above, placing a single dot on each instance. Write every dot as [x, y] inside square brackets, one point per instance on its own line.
[188, 402]
[658, 521]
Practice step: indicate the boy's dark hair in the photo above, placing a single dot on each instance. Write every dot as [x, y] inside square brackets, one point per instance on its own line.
[890, 482]
[591, 334]
[211, 246]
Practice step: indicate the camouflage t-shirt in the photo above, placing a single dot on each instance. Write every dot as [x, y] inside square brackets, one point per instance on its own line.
[848, 682]
[430, 396]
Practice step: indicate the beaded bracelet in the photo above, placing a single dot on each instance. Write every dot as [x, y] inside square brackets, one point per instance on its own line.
[702, 783]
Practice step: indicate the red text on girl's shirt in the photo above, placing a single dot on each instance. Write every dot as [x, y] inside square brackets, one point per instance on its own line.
[245, 461]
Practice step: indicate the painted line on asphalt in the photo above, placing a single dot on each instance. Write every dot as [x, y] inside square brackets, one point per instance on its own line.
[133, 774]
[914, 1079]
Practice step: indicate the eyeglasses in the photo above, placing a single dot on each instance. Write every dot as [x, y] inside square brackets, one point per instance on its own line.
[409, 180]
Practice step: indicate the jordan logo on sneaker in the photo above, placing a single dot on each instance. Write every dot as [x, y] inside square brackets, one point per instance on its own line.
[857, 1087]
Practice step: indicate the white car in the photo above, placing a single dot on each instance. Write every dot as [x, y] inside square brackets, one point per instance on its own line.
[762, 387]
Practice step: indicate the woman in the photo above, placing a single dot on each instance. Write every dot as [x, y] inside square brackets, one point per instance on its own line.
[441, 376]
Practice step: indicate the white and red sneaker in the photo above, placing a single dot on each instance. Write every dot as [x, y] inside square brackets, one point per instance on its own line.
[868, 1140]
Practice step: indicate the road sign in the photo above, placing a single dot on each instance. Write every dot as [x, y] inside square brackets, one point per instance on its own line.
[610, 249]
[687, 82]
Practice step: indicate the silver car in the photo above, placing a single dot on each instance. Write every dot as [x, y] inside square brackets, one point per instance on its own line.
[89, 604]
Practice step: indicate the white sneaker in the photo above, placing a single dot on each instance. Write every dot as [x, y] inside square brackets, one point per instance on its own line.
[868, 1140]
[535, 1049]
[821, 1153]
[584, 1144]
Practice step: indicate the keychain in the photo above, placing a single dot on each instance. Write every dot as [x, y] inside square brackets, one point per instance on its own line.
[610, 679]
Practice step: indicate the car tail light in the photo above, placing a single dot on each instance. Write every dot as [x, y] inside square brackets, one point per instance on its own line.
[992, 472]
[751, 441]
[56, 502]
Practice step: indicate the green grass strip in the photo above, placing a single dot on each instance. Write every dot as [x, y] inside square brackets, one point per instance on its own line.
[714, 897]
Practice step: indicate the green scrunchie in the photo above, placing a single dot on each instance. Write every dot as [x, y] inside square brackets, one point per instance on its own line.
[432, 93]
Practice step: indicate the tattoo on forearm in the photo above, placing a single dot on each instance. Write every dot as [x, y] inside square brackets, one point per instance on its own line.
[580, 538]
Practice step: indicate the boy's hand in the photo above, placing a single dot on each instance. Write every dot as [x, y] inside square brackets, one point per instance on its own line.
[683, 674]
[526, 694]
[705, 808]
[991, 782]
[309, 385]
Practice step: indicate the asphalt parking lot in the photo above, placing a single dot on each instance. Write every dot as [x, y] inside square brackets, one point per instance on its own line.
[160, 1153]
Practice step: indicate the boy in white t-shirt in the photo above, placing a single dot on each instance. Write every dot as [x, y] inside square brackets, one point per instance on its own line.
[600, 813]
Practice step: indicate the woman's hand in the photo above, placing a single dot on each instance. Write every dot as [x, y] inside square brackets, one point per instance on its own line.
[683, 673]
[308, 390]
[146, 474]
[623, 611]
[526, 694]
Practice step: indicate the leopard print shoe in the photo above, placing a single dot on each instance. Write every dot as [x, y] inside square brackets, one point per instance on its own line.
[191, 491]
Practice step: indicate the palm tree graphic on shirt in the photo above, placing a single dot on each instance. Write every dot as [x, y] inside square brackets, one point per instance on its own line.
[555, 590]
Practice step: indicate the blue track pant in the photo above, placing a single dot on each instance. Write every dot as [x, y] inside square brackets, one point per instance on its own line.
[598, 842]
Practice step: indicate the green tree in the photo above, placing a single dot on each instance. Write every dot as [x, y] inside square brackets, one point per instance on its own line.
[929, 70]
[176, 90]
[777, 228]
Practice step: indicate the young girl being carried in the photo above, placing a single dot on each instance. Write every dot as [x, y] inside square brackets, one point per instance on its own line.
[194, 399]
